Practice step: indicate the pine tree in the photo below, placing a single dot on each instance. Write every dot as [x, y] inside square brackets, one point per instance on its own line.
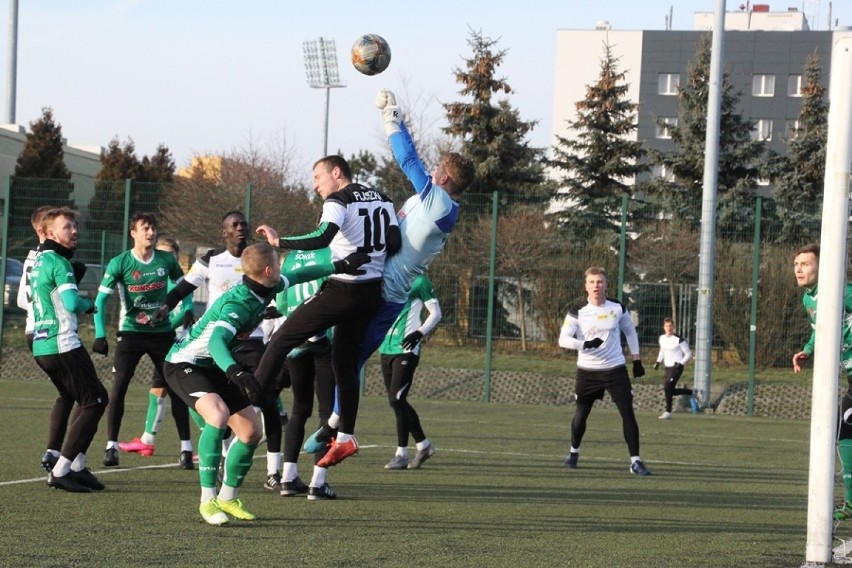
[799, 176]
[493, 135]
[41, 178]
[43, 155]
[739, 154]
[599, 162]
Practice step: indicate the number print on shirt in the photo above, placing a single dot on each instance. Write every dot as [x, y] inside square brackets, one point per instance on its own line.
[375, 229]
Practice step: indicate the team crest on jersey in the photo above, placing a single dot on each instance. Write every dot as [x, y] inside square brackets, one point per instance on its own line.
[136, 274]
[161, 272]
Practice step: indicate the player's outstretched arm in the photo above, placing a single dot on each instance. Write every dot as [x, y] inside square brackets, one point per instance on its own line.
[270, 234]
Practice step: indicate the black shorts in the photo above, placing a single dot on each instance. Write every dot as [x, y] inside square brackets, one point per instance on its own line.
[590, 385]
[130, 346]
[190, 383]
[74, 376]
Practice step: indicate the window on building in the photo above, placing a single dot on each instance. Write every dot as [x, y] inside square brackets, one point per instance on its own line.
[763, 85]
[762, 130]
[664, 126]
[668, 83]
[794, 86]
[664, 172]
[791, 131]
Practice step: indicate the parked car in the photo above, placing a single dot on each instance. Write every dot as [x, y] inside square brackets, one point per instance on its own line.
[14, 274]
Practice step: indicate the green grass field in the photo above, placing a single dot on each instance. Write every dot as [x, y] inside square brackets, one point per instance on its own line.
[726, 491]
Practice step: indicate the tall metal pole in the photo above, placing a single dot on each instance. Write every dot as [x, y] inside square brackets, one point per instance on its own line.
[707, 250]
[832, 280]
[322, 72]
[12, 64]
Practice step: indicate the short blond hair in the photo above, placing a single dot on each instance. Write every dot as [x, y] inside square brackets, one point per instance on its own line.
[257, 257]
[54, 213]
[460, 169]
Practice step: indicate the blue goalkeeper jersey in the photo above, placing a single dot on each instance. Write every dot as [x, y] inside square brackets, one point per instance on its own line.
[425, 221]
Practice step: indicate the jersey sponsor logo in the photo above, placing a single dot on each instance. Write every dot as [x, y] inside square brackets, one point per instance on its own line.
[142, 318]
[305, 256]
[142, 288]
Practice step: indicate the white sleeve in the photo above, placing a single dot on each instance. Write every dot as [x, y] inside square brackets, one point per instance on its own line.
[568, 333]
[431, 322]
[629, 331]
[687, 354]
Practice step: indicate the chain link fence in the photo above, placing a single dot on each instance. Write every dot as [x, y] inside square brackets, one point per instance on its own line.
[505, 279]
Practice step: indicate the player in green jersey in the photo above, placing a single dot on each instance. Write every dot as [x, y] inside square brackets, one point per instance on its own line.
[400, 354]
[202, 370]
[141, 275]
[59, 352]
[806, 269]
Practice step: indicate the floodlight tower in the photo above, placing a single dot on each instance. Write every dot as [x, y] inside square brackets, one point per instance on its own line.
[321, 69]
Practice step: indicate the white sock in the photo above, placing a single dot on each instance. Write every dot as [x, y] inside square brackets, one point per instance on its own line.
[226, 443]
[424, 444]
[186, 445]
[574, 450]
[289, 471]
[62, 467]
[402, 452]
[343, 438]
[634, 459]
[148, 438]
[79, 462]
[112, 444]
[208, 494]
[227, 493]
[273, 462]
[318, 479]
[334, 420]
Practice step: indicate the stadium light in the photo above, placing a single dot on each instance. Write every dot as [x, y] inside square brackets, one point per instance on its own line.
[322, 73]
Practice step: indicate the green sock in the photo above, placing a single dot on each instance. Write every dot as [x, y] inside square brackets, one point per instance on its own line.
[238, 462]
[209, 454]
[156, 411]
[845, 447]
[199, 421]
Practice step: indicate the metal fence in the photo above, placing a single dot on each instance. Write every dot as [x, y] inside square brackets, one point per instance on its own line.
[509, 271]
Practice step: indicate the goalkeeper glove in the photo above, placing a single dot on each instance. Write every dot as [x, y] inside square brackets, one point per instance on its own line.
[638, 369]
[161, 315]
[385, 97]
[593, 343]
[392, 116]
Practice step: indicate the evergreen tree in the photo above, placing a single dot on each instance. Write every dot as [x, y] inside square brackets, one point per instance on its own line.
[158, 168]
[739, 155]
[799, 176]
[493, 135]
[43, 155]
[106, 209]
[599, 162]
[41, 178]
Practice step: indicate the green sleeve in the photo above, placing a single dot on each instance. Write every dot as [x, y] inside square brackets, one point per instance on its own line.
[100, 314]
[73, 302]
[220, 337]
[809, 346]
[308, 273]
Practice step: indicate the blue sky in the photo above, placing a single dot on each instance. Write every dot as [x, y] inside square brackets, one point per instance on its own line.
[211, 76]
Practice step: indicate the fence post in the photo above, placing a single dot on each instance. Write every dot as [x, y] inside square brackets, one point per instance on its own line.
[128, 184]
[4, 250]
[249, 188]
[752, 328]
[622, 247]
[489, 321]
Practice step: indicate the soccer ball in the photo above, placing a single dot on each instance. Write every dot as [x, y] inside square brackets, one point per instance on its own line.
[371, 54]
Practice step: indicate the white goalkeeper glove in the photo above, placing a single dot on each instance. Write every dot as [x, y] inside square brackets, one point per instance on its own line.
[384, 98]
[392, 116]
